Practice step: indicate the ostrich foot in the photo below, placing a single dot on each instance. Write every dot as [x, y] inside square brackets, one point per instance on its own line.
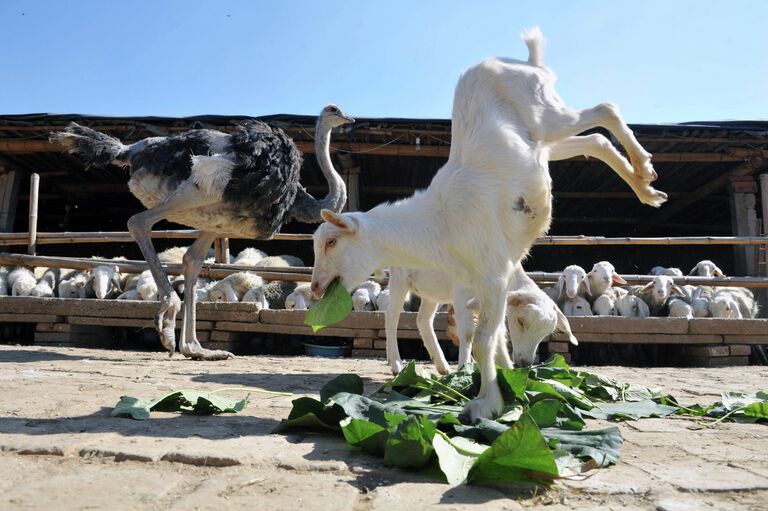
[487, 406]
[165, 321]
[192, 349]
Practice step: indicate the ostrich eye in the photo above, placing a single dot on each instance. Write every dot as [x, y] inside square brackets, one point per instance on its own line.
[334, 109]
[330, 242]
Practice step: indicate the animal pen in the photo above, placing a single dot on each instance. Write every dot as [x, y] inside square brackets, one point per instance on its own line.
[716, 175]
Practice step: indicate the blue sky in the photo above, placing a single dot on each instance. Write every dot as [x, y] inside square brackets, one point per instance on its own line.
[660, 61]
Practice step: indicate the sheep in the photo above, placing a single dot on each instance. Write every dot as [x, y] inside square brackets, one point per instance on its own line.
[76, 284]
[106, 281]
[203, 289]
[733, 302]
[700, 299]
[573, 282]
[132, 294]
[249, 257]
[657, 292]
[281, 261]
[172, 255]
[601, 277]
[679, 308]
[671, 272]
[257, 295]
[605, 305]
[233, 287]
[21, 280]
[577, 306]
[272, 294]
[631, 306]
[147, 287]
[488, 203]
[364, 297]
[382, 301]
[301, 298]
[706, 268]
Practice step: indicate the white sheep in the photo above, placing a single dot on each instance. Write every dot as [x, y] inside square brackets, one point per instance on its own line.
[382, 301]
[203, 289]
[679, 308]
[706, 268]
[249, 257]
[700, 299]
[601, 278]
[573, 282]
[489, 202]
[76, 284]
[364, 296]
[671, 272]
[605, 305]
[233, 287]
[631, 306]
[106, 280]
[257, 295]
[147, 287]
[577, 306]
[733, 302]
[301, 298]
[657, 292]
[131, 294]
[21, 281]
[172, 255]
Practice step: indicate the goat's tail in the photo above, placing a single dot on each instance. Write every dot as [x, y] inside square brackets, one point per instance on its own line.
[94, 148]
[535, 42]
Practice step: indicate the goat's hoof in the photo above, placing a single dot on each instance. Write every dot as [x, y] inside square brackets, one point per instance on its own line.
[488, 406]
[644, 170]
[397, 367]
[443, 369]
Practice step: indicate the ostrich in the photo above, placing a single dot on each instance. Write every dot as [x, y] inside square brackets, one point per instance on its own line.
[244, 184]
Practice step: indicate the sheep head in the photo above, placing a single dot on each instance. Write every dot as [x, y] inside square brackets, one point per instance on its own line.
[570, 281]
[706, 268]
[662, 287]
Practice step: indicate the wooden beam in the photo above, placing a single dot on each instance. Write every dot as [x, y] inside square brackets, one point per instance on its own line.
[751, 166]
[9, 196]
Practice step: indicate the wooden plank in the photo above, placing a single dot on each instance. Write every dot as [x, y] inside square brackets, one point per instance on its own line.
[608, 324]
[649, 338]
[362, 343]
[728, 326]
[129, 322]
[29, 318]
[53, 327]
[720, 350]
[223, 336]
[740, 350]
[10, 195]
[414, 334]
[292, 329]
[711, 361]
[360, 353]
[746, 339]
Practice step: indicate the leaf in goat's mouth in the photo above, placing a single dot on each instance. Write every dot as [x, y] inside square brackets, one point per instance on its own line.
[335, 305]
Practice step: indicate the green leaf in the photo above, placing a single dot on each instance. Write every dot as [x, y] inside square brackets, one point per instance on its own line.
[366, 435]
[560, 391]
[759, 410]
[309, 413]
[630, 410]
[466, 380]
[350, 383]
[519, 455]
[410, 444]
[602, 445]
[132, 408]
[544, 412]
[513, 382]
[456, 456]
[194, 401]
[333, 307]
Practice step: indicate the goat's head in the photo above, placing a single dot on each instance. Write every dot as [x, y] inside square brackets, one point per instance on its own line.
[531, 317]
[571, 279]
[706, 268]
[341, 251]
[662, 287]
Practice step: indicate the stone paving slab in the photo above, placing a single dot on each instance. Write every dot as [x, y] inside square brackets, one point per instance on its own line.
[60, 449]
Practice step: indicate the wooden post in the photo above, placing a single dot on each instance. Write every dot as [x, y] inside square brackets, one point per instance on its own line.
[351, 177]
[744, 223]
[34, 192]
[221, 250]
[764, 272]
[9, 195]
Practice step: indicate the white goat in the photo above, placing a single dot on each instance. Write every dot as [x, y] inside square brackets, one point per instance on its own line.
[601, 278]
[657, 292]
[706, 268]
[573, 282]
[488, 203]
[21, 281]
[631, 306]
[700, 299]
[131, 294]
[301, 298]
[364, 296]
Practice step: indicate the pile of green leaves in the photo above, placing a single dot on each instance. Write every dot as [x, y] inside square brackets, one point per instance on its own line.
[333, 307]
[184, 401]
[734, 406]
[413, 421]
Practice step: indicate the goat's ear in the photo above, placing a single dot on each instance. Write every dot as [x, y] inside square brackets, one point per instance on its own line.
[473, 304]
[585, 280]
[617, 278]
[647, 287]
[718, 272]
[348, 224]
[515, 299]
[677, 290]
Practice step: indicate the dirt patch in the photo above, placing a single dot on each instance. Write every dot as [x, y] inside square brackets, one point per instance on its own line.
[59, 447]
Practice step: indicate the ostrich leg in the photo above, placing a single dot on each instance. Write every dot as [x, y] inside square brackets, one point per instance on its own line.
[140, 225]
[193, 260]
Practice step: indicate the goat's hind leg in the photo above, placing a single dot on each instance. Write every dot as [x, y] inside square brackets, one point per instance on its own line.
[397, 292]
[597, 146]
[561, 123]
[425, 323]
[192, 262]
[140, 226]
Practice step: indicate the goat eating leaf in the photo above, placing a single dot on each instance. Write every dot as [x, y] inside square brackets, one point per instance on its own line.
[335, 305]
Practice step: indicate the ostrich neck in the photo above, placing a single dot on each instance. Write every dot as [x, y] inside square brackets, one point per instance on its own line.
[337, 190]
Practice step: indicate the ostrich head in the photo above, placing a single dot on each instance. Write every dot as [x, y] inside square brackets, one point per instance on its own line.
[332, 116]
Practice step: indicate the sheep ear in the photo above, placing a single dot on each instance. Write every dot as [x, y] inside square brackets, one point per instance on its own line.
[647, 287]
[617, 278]
[560, 286]
[718, 272]
[348, 224]
[643, 309]
[693, 271]
[473, 304]
[585, 280]
[677, 290]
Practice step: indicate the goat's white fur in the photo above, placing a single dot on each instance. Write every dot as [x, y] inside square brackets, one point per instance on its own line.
[485, 206]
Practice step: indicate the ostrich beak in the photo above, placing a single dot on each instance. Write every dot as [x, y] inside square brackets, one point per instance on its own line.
[349, 119]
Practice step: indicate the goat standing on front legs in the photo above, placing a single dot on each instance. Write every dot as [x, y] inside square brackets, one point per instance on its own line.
[488, 203]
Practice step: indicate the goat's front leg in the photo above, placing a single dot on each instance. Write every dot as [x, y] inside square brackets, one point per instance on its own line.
[140, 226]
[560, 123]
[597, 146]
[425, 323]
[465, 324]
[397, 292]
[192, 262]
[489, 402]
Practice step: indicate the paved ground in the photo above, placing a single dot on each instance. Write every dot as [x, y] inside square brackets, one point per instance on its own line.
[60, 449]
